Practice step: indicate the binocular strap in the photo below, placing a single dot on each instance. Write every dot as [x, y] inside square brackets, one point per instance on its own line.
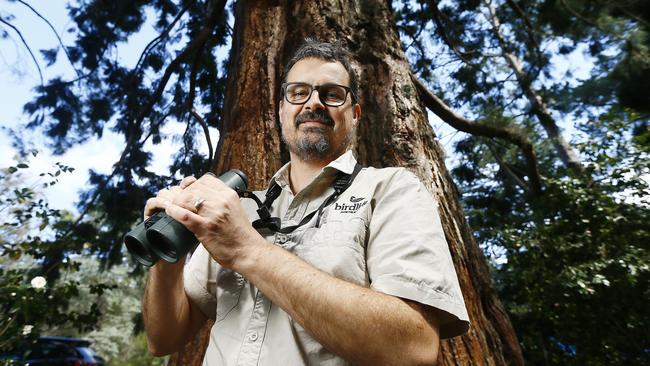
[341, 183]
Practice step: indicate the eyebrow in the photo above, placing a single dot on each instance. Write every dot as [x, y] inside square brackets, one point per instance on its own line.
[328, 83]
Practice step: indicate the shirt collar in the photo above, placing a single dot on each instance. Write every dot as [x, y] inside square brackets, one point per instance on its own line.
[344, 163]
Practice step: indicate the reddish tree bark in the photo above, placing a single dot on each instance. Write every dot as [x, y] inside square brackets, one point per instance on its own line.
[394, 131]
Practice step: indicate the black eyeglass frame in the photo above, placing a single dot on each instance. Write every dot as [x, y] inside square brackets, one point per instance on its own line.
[348, 90]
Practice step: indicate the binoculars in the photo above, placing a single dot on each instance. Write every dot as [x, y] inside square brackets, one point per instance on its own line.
[161, 237]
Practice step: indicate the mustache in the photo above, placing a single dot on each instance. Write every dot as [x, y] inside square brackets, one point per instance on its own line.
[318, 115]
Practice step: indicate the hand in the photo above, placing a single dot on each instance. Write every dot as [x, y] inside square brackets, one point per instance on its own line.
[165, 197]
[219, 221]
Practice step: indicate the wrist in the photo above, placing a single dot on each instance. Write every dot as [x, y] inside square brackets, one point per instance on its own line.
[249, 255]
[164, 268]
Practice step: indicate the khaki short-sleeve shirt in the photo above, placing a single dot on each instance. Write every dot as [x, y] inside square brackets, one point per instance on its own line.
[383, 233]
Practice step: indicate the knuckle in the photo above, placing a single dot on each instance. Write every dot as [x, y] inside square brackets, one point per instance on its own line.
[212, 225]
[220, 218]
[180, 199]
[187, 181]
[184, 216]
[232, 196]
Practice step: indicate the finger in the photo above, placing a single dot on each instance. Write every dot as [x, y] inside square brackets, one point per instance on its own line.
[170, 192]
[155, 204]
[187, 181]
[189, 219]
[188, 198]
[211, 181]
[165, 192]
[158, 202]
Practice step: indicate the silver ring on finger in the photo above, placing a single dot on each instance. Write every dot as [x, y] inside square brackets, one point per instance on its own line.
[198, 203]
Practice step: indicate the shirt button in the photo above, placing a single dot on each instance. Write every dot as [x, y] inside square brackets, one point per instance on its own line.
[253, 336]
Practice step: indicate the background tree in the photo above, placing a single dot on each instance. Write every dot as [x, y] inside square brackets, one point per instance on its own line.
[567, 248]
[31, 297]
[82, 298]
[559, 208]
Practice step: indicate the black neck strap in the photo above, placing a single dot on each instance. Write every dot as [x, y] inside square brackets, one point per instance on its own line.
[341, 183]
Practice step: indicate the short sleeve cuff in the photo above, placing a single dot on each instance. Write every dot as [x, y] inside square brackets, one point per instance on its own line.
[458, 320]
[198, 294]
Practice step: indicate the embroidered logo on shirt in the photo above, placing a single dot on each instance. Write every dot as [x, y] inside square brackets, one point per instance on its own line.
[350, 207]
[356, 199]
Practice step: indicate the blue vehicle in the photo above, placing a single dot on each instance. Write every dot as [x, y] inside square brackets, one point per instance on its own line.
[55, 351]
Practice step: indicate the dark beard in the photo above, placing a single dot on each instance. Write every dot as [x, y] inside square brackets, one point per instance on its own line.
[314, 142]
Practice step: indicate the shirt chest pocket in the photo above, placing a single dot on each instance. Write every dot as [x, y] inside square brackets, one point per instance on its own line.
[337, 247]
[340, 231]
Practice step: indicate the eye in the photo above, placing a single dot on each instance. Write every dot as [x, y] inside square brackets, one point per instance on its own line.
[334, 93]
[298, 91]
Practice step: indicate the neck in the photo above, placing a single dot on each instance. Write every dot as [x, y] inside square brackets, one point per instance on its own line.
[303, 172]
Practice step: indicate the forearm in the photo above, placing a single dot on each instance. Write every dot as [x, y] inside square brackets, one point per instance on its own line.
[359, 324]
[167, 311]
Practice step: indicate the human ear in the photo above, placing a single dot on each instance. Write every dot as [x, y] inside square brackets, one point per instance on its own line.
[280, 106]
[356, 112]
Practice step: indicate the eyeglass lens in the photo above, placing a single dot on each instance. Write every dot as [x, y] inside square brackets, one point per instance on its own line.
[330, 94]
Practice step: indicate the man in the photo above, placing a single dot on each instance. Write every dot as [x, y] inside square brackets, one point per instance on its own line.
[365, 277]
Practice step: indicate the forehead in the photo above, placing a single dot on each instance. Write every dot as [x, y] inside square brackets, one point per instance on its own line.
[316, 71]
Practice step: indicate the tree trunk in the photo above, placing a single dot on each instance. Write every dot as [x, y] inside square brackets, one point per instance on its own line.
[393, 131]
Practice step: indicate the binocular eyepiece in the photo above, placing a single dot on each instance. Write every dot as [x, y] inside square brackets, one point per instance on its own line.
[161, 237]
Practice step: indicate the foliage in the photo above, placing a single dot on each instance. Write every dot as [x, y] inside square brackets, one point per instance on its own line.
[97, 304]
[572, 265]
[571, 262]
[118, 336]
[30, 297]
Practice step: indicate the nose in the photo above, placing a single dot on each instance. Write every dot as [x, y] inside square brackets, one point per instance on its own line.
[314, 101]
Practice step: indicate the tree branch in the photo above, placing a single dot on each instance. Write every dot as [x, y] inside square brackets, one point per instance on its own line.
[193, 73]
[38, 67]
[577, 15]
[196, 43]
[416, 34]
[206, 131]
[538, 106]
[65, 50]
[440, 29]
[162, 35]
[437, 106]
[529, 28]
[518, 181]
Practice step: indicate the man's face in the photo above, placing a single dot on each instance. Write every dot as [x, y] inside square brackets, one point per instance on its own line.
[314, 131]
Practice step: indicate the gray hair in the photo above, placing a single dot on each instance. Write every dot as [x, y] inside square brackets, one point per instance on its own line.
[331, 52]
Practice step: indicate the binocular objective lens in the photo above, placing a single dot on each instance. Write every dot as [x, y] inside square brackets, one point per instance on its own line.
[165, 247]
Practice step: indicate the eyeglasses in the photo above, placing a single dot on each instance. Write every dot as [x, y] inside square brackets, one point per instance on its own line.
[332, 95]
